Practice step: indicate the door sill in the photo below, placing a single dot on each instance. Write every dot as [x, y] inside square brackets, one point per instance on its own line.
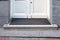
[53, 26]
[32, 23]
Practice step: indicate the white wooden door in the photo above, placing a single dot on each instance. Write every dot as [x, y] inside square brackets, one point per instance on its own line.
[20, 9]
[30, 8]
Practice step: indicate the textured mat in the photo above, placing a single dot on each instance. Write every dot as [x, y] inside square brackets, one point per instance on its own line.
[32, 21]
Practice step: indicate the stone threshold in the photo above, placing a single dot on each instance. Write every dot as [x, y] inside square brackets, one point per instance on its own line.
[53, 26]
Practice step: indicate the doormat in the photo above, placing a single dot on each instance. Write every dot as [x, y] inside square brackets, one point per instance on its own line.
[32, 21]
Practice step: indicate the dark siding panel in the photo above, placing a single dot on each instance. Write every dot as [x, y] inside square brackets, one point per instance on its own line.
[3, 20]
[3, 12]
[56, 12]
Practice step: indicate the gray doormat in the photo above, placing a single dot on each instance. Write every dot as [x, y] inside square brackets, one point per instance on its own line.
[32, 21]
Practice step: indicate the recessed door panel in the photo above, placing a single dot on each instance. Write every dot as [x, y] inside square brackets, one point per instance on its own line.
[20, 9]
[39, 9]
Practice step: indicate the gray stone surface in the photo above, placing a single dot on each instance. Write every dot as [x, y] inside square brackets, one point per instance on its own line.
[4, 11]
[3, 20]
[4, 8]
[56, 12]
[56, 20]
[29, 32]
[56, 2]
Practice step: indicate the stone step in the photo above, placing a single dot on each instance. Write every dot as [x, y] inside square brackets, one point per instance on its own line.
[53, 26]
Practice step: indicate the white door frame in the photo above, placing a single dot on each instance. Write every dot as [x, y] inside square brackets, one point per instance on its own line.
[49, 10]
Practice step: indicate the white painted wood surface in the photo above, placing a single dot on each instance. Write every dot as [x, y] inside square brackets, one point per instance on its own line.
[31, 8]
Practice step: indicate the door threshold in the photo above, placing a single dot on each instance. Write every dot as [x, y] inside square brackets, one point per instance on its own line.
[30, 24]
[53, 26]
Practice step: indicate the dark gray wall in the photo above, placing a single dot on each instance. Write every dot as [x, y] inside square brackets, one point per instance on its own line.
[56, 11]
[4, 11]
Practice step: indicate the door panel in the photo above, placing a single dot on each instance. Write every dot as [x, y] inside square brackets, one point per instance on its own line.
[21, 8]
[40, 9]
